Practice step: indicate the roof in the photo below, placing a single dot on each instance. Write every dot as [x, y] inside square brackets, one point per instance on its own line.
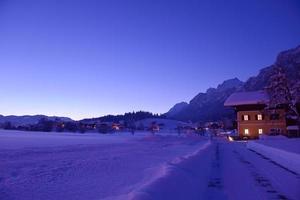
[247, 98]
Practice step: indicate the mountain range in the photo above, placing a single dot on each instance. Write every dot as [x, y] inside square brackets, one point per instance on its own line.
[209, 106]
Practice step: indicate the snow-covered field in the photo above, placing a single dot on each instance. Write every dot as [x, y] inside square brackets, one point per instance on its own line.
[87, 166]
[63, 166]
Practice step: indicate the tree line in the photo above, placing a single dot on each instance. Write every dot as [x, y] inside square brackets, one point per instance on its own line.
[127, 121]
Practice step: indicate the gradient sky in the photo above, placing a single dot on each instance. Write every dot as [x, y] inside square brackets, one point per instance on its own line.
[85, 58]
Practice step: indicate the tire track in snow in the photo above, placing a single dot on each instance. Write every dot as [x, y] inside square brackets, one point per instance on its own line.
[215, 185]
[261, 180]
[275, 163]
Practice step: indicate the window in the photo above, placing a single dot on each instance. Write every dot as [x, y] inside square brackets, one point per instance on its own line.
[260, 131]
[246, 131]
[246, 117]
[259, 117]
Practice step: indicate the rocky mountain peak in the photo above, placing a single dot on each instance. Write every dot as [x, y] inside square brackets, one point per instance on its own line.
[177, 108]
[231, 83]
[209, 106]
[286, 58]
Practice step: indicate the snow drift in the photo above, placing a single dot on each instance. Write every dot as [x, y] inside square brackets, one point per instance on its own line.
[181, 178]
[287, 159]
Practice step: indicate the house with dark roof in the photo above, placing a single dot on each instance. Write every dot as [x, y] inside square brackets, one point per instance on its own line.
[253, 117]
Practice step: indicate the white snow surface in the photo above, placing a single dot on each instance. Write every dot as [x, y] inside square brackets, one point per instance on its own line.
[54, 166]
[26, 139]
[281, 142]
[283, 151]
[63, 166]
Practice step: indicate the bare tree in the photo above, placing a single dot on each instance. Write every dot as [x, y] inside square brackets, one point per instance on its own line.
[284, 93]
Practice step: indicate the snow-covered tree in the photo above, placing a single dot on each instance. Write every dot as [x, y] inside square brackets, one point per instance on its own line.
[278, 89]
[283, 93]
[295, 93]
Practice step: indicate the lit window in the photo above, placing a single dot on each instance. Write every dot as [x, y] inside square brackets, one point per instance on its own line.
[259, 117]
[246, 117]
[260, 131]
[246, 131]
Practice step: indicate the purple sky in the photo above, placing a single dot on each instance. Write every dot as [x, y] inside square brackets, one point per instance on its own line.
[89, 58]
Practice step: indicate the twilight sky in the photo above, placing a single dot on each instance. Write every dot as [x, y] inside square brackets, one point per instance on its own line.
[87, 58]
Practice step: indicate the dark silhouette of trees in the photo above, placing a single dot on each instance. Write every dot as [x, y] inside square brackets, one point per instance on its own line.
[81, 127]
[60, 127]
[127, 117]
[104, 128]
[71, 126]
[8, 126]
[45, 125]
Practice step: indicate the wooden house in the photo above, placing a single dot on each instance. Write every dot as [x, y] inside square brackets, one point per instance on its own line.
[253, 117]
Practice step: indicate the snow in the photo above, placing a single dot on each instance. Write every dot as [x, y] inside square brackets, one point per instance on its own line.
[86, 166]
[247, 98]
[259, 177]
[222, 171]
[281, 142]
[283, 151]
[58, 166]
[179, 173]
[26, 139]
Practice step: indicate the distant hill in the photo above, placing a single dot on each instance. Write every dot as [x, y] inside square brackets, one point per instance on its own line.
[208, 106]
[30, 119]
[34, 119]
